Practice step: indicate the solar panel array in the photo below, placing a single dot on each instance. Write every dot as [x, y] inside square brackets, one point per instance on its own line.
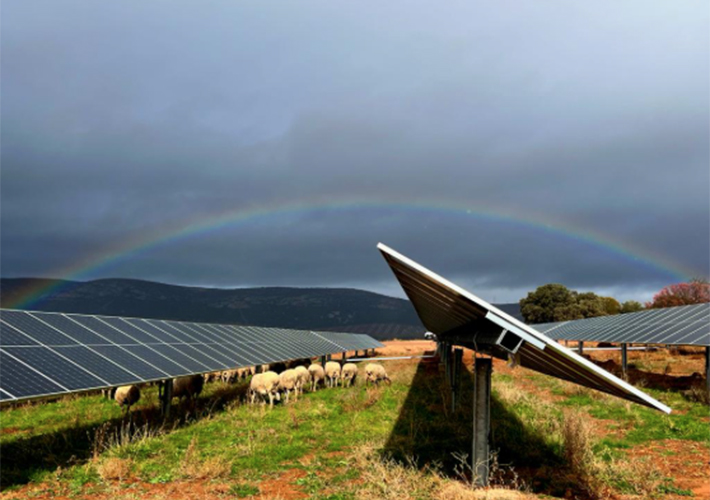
[682, 325]
[45, 354]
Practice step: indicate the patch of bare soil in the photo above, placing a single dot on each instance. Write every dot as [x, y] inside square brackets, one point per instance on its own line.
[406, 348]
[687, 462]
[284, 486]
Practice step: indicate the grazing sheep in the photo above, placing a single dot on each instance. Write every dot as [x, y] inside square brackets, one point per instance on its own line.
[317, 375]
[127, 395]
[375, 373]
[288, 381]
[332, 373]
[229, 376]
[188, 387]
[349, 374]
[304, 377]
[265, 384]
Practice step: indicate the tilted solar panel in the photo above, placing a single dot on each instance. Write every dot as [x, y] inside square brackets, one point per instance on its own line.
[459, 317]
[45, 354]
[681, 325]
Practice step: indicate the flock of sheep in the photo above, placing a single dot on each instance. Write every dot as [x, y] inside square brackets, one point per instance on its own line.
[271, 383]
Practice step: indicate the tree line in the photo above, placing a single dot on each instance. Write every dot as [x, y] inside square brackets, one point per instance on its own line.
[556, 302]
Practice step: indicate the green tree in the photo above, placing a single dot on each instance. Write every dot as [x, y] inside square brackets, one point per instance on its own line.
[591, 305]
[551, 302]
[631, 306]
[611, 305]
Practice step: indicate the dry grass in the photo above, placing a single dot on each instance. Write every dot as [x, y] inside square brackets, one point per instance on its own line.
[388, 479]
[114, 469]
[193, 466]
[635, 475]
[459, 491]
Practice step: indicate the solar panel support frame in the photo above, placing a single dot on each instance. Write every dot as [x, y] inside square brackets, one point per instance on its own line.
[480, 458]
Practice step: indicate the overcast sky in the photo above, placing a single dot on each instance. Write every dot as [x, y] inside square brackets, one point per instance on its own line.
[583, 125]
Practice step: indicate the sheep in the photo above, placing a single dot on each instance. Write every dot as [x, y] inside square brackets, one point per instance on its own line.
[265, 384]
[349, 374]
[375, 373]
[229, 376]
[304, 377]
[188, 387]
[317, 375]
[127, 395]
[289, 381]
[332, 373]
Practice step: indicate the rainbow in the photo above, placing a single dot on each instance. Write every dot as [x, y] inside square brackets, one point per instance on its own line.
[150, 240]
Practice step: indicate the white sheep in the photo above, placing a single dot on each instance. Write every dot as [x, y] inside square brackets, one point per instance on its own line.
[127, 395]
[349, 374]
[332, 373]
[265, 385]
[288, 381]
[317, 375]
[304, 377]
[375, 373]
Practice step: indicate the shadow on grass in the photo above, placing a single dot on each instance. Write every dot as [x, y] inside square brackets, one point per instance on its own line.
[429, 433]
[24, 458]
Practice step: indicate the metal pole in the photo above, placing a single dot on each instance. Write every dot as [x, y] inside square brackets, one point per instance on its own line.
[707, 368]
[580, 347]
[165, 391]
[458, 359]
[323, 361]
[481, 420]
[624, 360]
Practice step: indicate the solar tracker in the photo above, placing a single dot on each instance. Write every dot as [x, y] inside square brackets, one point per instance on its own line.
[46, 354]
[459, 317]
[681, 325]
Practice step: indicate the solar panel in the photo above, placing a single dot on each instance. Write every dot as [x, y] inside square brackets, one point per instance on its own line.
[45, 354]
[459, 317]
[681, 325]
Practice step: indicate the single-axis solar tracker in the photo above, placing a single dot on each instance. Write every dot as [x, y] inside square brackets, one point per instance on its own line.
[459, 317]
[47, 354]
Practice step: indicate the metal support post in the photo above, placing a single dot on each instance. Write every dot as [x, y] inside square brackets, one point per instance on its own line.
[323, 360]
[481, 420]
[580, 347]
[707, 368]
[458, 362]
[165, 392]
[624, 360]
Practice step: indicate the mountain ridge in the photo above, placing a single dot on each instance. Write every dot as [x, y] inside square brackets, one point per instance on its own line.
[317, 308]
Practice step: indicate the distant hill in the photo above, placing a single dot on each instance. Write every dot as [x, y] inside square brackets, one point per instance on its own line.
[336, 309]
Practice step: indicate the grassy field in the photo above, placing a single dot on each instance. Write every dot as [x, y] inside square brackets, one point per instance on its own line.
[552, 438]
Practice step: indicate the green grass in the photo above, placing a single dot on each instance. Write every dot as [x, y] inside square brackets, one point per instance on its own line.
[335, 443]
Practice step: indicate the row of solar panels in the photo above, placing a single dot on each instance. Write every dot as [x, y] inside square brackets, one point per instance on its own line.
[682, 325]
[44, 354]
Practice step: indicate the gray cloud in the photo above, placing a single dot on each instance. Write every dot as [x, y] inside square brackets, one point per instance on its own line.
[120, 120]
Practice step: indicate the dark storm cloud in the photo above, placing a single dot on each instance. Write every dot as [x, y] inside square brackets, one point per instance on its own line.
[121, 119]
